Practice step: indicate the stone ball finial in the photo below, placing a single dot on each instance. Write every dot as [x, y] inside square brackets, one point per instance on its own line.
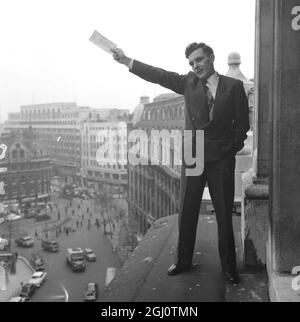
[234, 58]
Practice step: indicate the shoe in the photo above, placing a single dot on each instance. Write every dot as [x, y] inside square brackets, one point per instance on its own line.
[231, 277]
[176, 269]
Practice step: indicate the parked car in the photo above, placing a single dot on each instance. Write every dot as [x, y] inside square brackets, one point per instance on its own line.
[26, 241]
[3, 243]
[12, 217]
[50, 245]
[91, 293]
[89, 255]
[38, 278]
[40, 206]
[29, 213]
[17, 299]
[37, 262]
[41, 216]
[27, 291]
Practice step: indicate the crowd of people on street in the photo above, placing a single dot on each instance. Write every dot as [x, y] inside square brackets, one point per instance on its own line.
[74, 215]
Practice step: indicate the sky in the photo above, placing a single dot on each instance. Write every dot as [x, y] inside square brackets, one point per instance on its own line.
[46, 55]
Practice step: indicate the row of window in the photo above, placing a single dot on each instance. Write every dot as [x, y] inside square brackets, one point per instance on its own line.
[166, 113]
[28, 166]
[111, 176]
[100, 164]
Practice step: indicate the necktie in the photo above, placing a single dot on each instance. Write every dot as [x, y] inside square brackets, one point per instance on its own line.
[209, 98]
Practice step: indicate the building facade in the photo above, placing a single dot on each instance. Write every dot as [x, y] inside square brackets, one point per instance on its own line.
[153, 190]
[59, 130]
[25, 170]
[104, 155]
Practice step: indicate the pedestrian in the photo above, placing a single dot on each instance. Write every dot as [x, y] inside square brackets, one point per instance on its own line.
[217, 105]
[35, 234]
[58, 215]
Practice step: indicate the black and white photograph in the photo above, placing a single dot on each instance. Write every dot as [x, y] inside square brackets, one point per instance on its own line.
[149, 154]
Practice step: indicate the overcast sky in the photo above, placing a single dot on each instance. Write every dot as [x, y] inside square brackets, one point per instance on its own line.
[46, 55]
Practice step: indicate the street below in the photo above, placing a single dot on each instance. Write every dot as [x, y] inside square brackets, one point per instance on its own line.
[73, 224]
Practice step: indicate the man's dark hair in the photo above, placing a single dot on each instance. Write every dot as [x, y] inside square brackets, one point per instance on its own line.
[193, 46]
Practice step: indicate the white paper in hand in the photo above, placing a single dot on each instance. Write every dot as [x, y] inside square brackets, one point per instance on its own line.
[102, 42]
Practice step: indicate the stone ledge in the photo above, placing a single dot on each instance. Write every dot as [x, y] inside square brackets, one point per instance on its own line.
[257, 191]
[253, 287]
[254, 188]
[255, 220]
[280, 288]
[130, 279]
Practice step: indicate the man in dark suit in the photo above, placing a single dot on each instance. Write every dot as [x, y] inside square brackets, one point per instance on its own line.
[217, 105]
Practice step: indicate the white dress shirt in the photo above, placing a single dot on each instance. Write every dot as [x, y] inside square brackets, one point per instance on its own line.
[212, 84]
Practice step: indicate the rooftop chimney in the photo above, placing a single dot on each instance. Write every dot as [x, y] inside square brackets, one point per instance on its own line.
[234, 61]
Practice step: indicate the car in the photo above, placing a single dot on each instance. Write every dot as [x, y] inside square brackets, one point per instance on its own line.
[4, 243]
[17, 299]
[27, 291]
[38, 278]
[89, 255]
[37, 262]
[12, 217]
[50, 245]
[91, 293]
[41, 216]
[26, 241]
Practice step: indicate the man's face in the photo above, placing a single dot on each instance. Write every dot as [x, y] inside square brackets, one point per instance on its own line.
[201, 63]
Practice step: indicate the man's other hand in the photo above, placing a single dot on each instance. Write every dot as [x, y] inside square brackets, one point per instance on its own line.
[120, 57]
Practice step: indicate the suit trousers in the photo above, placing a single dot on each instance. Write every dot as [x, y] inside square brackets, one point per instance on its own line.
[219, 176]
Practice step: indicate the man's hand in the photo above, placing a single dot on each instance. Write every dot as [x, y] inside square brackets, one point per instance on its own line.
[120, 57]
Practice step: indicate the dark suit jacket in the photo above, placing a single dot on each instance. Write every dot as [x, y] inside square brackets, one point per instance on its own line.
[224, 135]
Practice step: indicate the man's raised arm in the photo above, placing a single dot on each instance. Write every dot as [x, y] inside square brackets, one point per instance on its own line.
[171, 80]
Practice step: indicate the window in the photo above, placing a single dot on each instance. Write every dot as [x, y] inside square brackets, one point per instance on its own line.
[14, 154]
